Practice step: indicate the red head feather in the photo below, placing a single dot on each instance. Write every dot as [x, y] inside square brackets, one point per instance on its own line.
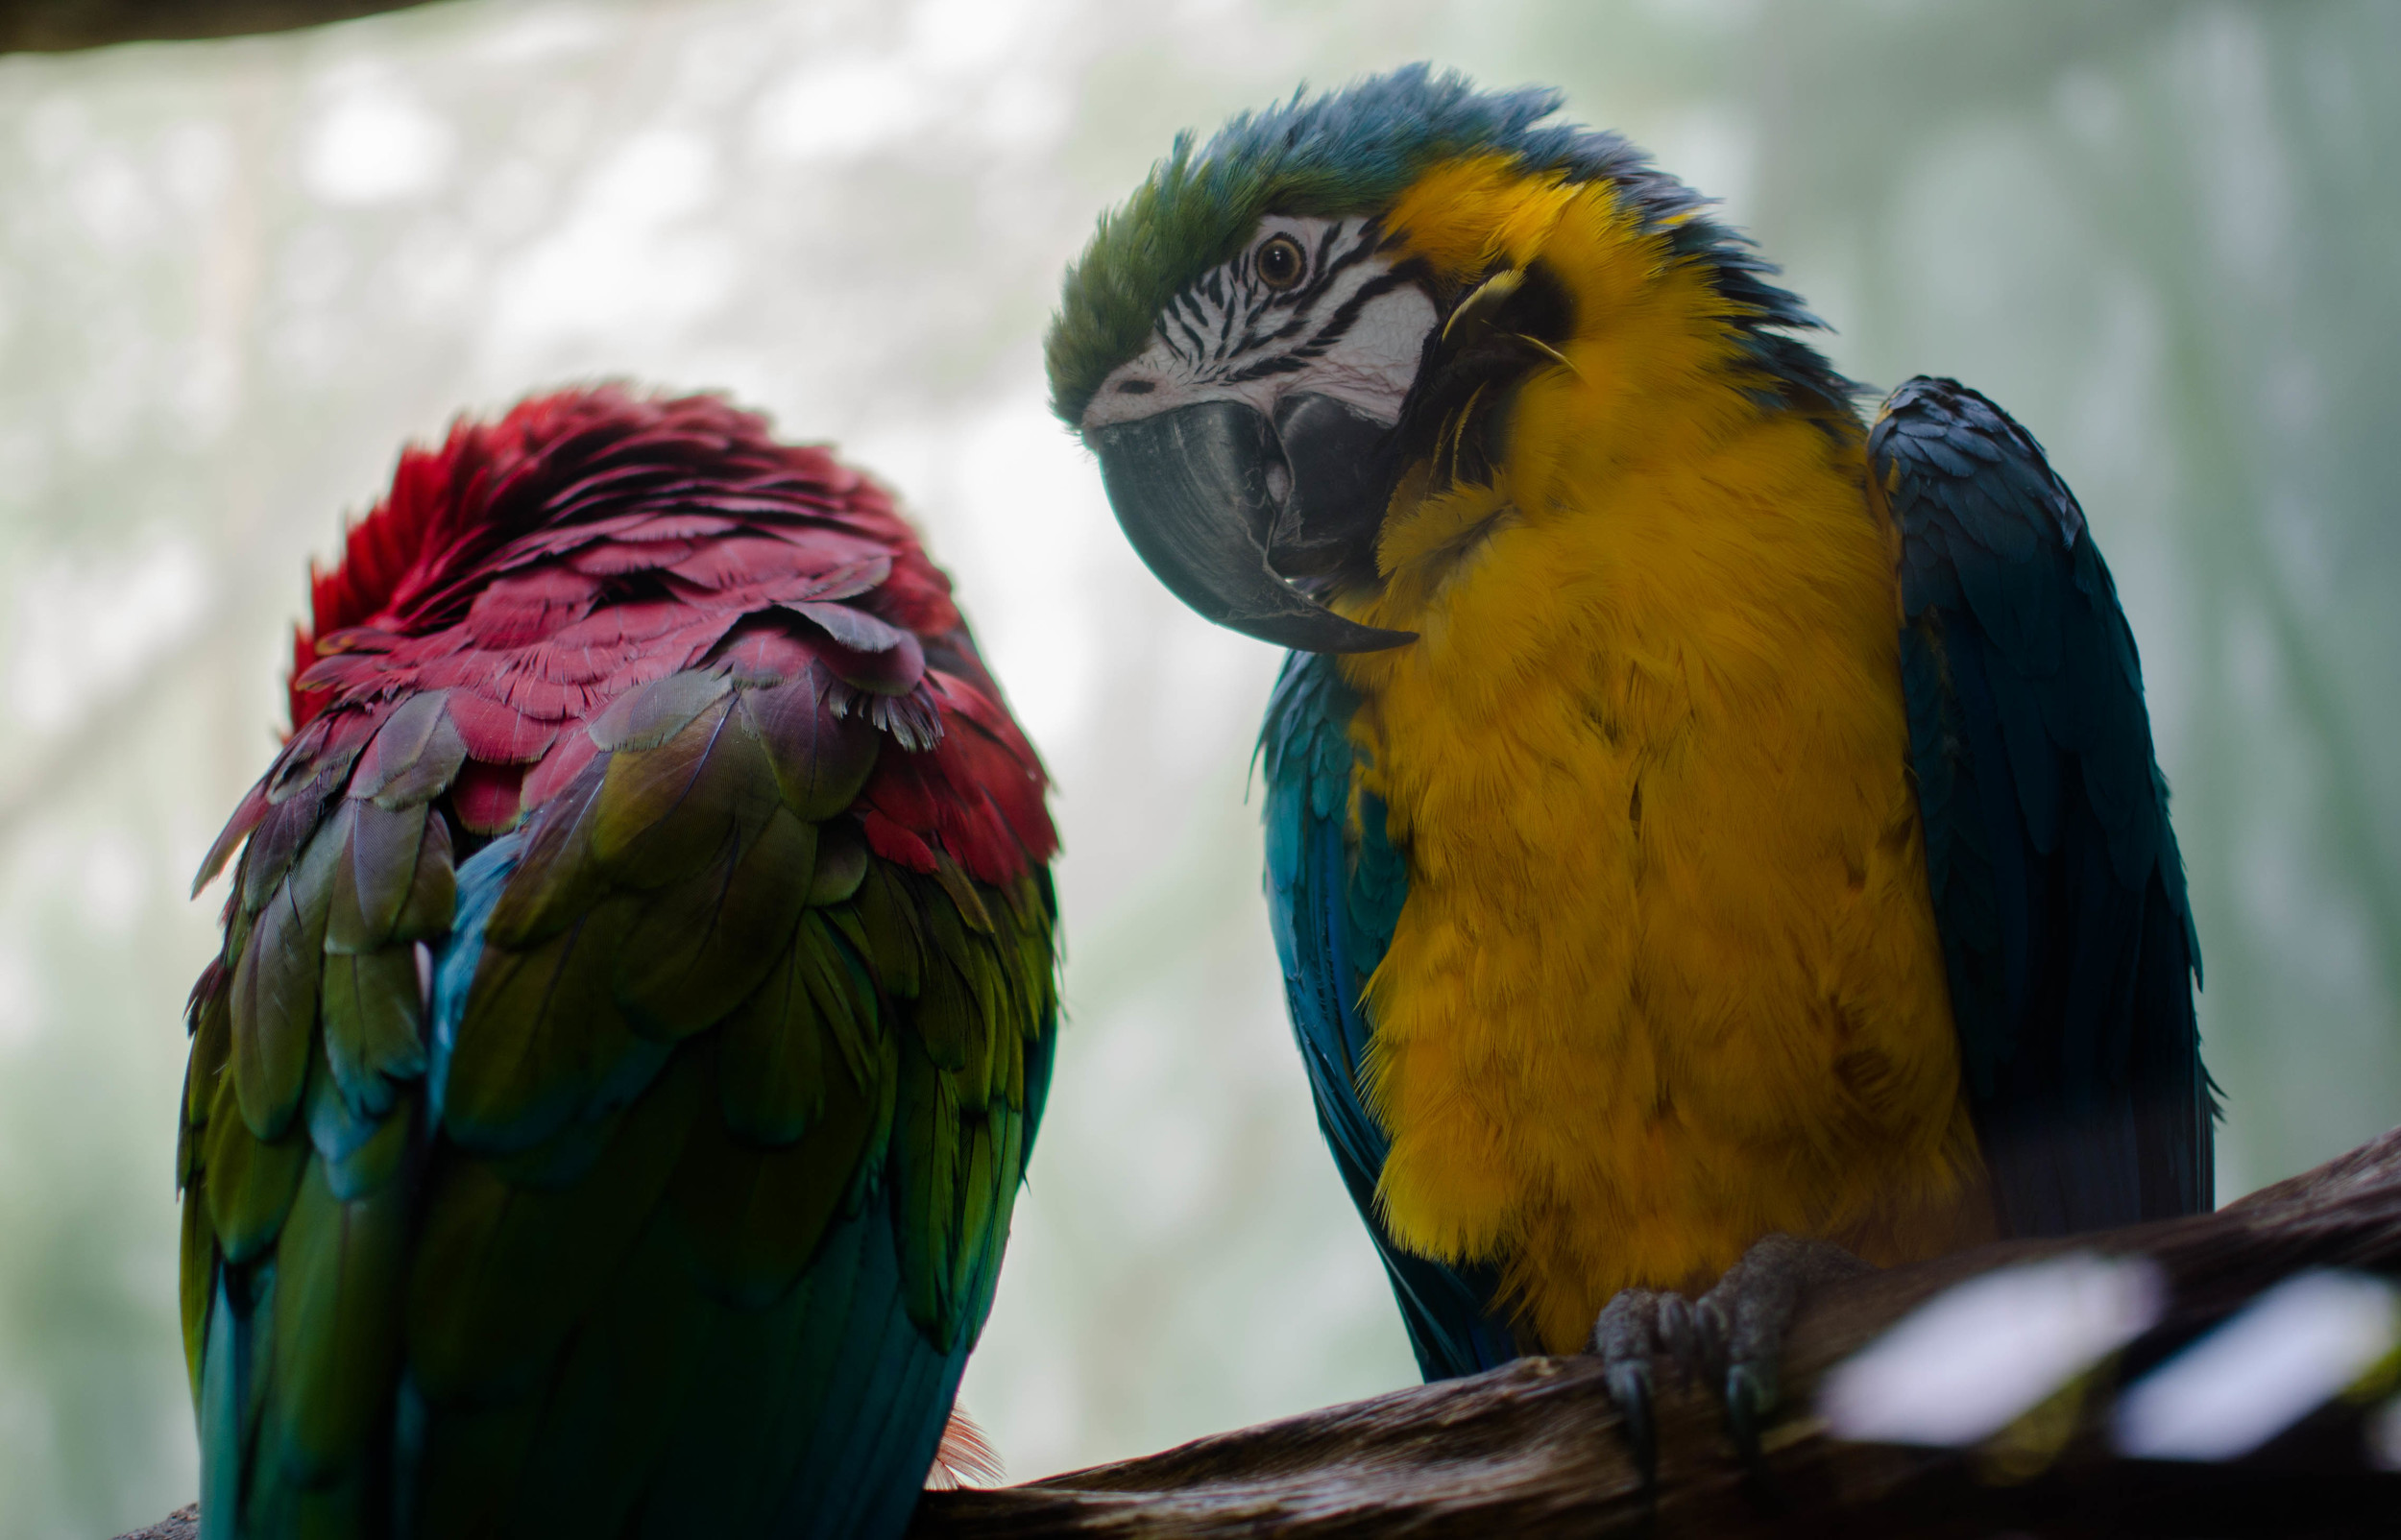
[538, 567]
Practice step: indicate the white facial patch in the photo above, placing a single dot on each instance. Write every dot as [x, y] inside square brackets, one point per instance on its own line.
[1347, 328]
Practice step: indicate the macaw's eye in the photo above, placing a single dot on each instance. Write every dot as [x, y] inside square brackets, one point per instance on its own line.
[1281, 262]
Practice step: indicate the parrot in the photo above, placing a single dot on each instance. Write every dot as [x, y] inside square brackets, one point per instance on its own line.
[1713, 840]
[635, 1008]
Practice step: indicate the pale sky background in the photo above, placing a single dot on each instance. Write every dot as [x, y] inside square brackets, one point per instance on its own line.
[236, 277]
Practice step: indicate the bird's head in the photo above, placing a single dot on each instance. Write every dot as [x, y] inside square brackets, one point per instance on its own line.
[1294, 337]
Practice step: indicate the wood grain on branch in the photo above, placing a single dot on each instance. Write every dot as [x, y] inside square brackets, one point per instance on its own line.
[1534, 1448]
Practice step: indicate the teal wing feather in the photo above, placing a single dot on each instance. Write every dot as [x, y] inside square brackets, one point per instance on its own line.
[301, 1126]
[677, 1204]
[1334, 896]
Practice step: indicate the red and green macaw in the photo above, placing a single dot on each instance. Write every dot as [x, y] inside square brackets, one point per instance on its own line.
[1712, 840]
[635, 1011]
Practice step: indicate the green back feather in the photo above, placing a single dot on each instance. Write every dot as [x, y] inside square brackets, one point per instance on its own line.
[691, 1044]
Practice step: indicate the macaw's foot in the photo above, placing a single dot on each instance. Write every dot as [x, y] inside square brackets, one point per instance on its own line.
[1731, 1339]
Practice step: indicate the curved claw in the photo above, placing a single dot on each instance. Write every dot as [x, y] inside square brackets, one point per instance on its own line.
[1750, 1395]
[1629, 1387]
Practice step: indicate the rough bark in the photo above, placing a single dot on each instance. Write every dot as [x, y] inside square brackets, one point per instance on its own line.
[1534, 1448]
[56, 26]
[183, 1524]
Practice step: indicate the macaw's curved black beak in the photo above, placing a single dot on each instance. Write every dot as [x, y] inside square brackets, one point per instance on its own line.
[1190, 488]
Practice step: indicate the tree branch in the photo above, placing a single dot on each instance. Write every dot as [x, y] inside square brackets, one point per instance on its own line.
[57, 26]
[1534, 1448]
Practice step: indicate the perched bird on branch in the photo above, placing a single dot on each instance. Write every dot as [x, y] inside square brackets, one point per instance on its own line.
[636, 1005]
[1710, 839]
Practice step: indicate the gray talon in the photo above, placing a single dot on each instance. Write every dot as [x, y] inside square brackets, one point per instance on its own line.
[1750, 1396]
[1731, 1339]
[1630, 1388]
[1627, 1337]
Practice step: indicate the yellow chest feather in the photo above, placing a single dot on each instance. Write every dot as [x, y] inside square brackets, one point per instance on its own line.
[1667, 978]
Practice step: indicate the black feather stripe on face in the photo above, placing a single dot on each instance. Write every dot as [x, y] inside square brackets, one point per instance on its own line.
[1336, 325]
[1228, 315]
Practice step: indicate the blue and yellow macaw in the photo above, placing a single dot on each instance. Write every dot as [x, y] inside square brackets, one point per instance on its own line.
[1709, 839]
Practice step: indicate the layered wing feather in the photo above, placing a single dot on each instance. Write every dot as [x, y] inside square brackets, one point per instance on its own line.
[1335, 888]
[2055, 876]
[646, 1171]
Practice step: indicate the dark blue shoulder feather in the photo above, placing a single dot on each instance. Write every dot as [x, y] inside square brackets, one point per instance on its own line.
[2056, 879]
[1334, 897]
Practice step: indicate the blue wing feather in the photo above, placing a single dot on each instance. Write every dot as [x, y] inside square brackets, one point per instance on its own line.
[1333, 897]
[2056, 881]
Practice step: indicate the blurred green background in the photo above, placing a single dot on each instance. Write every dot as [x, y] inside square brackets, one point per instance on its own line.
[235, 276]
